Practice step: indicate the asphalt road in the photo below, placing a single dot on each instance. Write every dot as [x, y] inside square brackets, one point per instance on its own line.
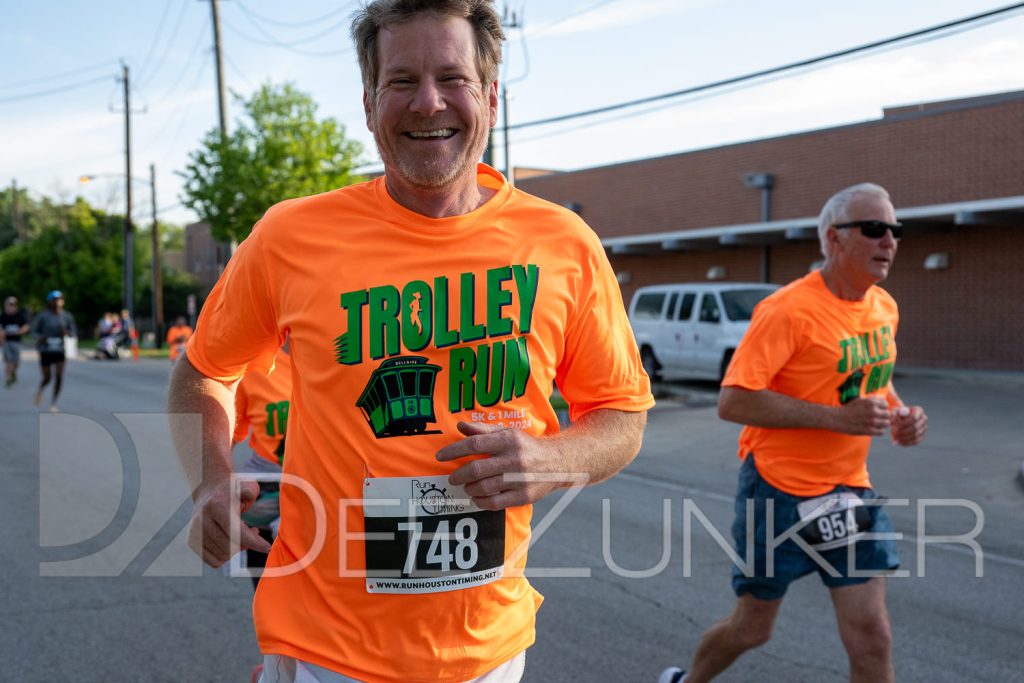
[99, 586]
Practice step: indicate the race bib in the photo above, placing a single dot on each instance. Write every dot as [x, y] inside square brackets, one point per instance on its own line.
[12, 329]
[53, 344]
[425, 535]
[833, 520]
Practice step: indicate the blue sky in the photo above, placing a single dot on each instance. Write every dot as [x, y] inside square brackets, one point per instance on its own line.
[570, 55]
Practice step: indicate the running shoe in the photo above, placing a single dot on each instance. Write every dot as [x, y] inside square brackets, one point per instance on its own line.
[673, 674]
[54, 408]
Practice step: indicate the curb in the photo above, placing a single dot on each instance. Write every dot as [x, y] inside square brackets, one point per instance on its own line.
[997, 376]
[692, 397]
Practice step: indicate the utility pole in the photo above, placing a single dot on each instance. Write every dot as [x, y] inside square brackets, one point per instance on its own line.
[15, 214]
[158, 285]
[129, 232]
[218, 57]
[509, 20]
[489, 149]
[222, 107]
[504, 123]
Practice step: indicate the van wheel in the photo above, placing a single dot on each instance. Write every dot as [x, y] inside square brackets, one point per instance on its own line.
[650, 363]
[726, 359]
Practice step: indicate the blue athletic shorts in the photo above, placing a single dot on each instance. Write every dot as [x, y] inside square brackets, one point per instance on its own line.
[790, 560]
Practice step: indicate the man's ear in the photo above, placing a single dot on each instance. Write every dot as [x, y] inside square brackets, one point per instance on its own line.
[832, 237]
[492, 102]
[367, 110]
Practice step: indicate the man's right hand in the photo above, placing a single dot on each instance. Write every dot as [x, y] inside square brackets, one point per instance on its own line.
[862, 416]
[209, 534]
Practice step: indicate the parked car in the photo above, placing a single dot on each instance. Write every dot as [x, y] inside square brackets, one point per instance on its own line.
[690, 330]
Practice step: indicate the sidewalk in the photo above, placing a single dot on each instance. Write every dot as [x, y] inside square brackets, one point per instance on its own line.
[998, 376]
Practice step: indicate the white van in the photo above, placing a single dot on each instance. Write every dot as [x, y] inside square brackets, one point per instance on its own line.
[690, 330]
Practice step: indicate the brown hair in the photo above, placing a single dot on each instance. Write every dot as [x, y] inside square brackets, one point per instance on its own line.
[368, 22]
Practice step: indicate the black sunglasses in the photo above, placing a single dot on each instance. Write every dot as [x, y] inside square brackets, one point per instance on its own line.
[873, 229]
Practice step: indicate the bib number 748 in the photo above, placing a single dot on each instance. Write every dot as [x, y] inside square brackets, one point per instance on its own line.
[440, 554]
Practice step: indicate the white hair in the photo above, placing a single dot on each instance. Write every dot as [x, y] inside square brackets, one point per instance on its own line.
[836, 209]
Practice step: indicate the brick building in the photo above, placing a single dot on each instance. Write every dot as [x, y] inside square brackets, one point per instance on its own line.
[204, 256]
[955, 171]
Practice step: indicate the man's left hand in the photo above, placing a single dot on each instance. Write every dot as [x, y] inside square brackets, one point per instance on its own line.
[909, 424]
[511, 451]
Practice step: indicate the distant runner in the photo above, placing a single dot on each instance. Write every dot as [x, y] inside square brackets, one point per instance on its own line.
[49, 329]
[177, 336]
[13, 324]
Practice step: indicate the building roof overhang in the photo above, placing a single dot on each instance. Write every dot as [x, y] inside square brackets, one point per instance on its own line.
[917, 219]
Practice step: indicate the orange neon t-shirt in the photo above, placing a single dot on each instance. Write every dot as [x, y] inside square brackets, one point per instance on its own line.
[490, 308]
[174, 337]
[262, 403]
[805, 342]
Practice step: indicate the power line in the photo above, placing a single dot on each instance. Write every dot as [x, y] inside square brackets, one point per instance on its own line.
[274, 42]
[53, 91]
[105, 64]
[294, 24]
[172, 141]
[526, 53]
[585, 10]
[297, 41]
[776, 70]
[156, 38]
[146, 76]
[661, 106]
[238, 71]
[193, 52]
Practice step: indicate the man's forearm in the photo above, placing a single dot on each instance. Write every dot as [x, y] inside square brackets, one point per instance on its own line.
[773, 410]
[601, 443]
[207, 459]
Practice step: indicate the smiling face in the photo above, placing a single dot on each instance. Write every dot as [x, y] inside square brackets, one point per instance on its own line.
[861, 260]
[430, 114]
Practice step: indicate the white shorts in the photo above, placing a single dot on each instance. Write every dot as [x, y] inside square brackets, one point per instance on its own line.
[281, 669]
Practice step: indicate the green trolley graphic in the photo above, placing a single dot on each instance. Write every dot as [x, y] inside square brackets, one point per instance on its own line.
[399, 398]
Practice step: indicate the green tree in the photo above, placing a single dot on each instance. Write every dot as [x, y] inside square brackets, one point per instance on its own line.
[78, 250]
[278, 150]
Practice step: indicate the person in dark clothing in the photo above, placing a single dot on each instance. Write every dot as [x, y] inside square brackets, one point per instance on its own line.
[49, 328]
[13, 324]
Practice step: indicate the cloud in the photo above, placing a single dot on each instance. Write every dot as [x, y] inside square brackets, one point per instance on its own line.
[843, 93]
[614, 16]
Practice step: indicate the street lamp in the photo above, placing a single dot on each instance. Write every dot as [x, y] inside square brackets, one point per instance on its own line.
[129, 253]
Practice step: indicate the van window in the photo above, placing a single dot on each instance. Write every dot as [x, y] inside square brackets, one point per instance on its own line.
[709, 312]
[739, 303]
[673, 299]
[686, 309]
[649, 305]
